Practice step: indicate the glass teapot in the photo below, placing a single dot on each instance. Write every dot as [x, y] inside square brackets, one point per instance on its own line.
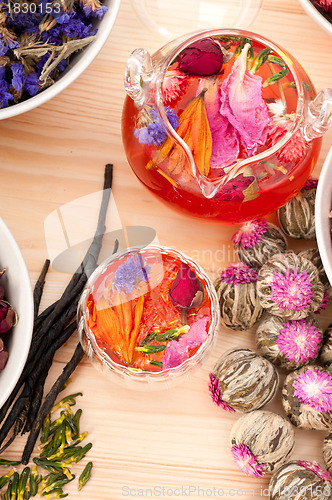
[222, 124]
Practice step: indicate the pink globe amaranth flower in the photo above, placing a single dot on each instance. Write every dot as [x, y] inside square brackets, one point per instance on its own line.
[299, 341]
[314, 388]
[239, 273]
[316, 468]
[174, 86]
[250, 233]
[291, 290]
[311, 183]
[203, 58]
[246, 461]
[214, 388]
[324, 303]
[296, 147]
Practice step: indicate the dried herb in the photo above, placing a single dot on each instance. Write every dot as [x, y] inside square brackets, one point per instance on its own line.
[327, 451]
[48, 335]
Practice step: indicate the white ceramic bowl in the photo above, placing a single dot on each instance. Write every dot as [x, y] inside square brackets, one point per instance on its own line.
[79, 62]
[315, 14]
[322, 210]
[18, 292]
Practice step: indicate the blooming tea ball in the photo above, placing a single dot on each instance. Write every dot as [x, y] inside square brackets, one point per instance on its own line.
[327, 451]
[307, 398]
[300, 480]
[261, 441]
[325, 356]
[242, 380]
[313, 255]
[289, 344]
[240, 307]
[288, 286]
[297, 217]
[257, 240]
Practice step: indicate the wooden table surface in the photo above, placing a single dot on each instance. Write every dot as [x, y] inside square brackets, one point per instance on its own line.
[55, 154]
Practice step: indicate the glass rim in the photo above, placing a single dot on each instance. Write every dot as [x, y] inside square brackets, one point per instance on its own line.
[137, 373]
[188, 39]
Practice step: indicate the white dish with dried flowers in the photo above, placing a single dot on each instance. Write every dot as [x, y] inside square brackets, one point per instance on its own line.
[316, 13]
[85, 53]
[322, 210]
[18, 293]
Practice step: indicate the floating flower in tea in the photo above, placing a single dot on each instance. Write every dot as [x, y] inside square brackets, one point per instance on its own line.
[242, 381]
[240, 307]
[300, 479]
[325, 356]
[297, 217]
[327, 451]
[150, 128]
[175, 85]
[257, 240]
[296, 148]
[261, 441]
[289, 344]
[204, 58]
[186, 292]
[307, 398]
[288, 286]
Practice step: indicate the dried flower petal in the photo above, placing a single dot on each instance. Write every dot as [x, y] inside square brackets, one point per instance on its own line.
[177, 350]
[243, 105]
[202, 58]
[155, 131]
[299, 340]
[7, 316]
[325, 4]
[313, 387]
[130, 274]
[311, 183]
[250, 233]
[239, 273]
[246, 461]
[187, 291]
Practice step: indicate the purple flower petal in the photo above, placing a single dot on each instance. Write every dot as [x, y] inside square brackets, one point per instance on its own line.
[250, 233]
[313, 387]
[246, 461]
[214, 388]
[299, 340]
[239, 273]
[291, 290]
[18, 78]
[243, 105]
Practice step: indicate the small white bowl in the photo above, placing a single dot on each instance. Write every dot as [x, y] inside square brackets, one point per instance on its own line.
[77, 65]
[18, 292]
[315, 14]
[322, 220]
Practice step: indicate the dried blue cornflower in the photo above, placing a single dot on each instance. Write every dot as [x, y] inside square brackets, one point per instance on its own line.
[130, 274]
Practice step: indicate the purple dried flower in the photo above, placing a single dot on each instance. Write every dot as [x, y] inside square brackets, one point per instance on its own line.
[239, 273]
[314, 388]
[3, 355]
[5, 95]
[299, 341]
[324, 303]
[18, 78]
[214, 388]
[154, 131]
[31, 84]
[246, 461]
[311, 183]
[316, 468]
[250, 233]
[130, 274]
[291, 290]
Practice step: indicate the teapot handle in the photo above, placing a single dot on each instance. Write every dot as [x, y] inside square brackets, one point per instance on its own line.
[139, 71]
[319, 115]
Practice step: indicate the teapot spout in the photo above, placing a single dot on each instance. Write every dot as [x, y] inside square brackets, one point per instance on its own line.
[319, 118]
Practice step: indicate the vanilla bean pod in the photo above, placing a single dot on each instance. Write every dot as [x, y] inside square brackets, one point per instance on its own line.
[39, 286]
[49, 402]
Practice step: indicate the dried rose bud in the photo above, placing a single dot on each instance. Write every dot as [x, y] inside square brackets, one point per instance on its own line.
[7, 316]
[2, 292]
[187, 291]
[3, 356]
[203, 58]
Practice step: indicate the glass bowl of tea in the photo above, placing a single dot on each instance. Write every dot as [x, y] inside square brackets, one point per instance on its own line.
[222, 124]
[148, 316]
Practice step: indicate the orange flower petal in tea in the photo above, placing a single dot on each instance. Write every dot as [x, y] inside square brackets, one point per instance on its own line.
[135, 331]
[194, 129]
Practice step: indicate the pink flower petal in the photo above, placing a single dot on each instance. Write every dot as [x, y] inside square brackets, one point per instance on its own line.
[243, 105]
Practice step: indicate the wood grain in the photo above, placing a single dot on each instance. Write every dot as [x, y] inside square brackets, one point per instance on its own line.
[56, 153]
